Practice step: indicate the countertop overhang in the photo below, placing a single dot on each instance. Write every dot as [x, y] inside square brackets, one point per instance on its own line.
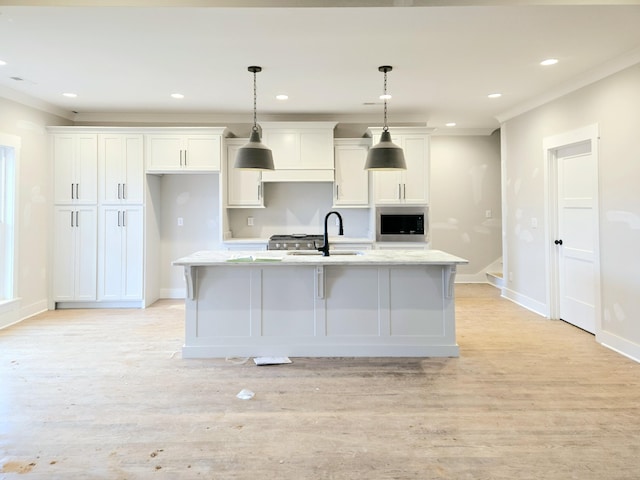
[363, 257]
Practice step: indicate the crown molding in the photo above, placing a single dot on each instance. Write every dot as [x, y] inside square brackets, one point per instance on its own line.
[589, 77]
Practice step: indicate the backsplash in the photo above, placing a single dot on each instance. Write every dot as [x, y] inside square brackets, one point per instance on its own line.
[296, 208]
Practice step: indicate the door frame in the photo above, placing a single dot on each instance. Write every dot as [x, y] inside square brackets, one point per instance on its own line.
[551, 145]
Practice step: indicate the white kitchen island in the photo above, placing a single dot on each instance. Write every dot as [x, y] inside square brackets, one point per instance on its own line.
[396, 303]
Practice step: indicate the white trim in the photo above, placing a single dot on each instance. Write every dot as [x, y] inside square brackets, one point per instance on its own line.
[177, 293]
[550, 145]
[620, 345]
[14, 142]
[529, 303]
[608, 68]
[32, 102]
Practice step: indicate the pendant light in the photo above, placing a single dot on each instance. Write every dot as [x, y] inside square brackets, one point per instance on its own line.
[254, 155]
[386, 155]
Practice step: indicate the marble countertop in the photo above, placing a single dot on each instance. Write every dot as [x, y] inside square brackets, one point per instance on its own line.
[332, 239]
[305, 257]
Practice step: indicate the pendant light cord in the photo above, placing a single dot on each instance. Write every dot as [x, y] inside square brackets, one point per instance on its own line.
[255, 107]
[385, 128]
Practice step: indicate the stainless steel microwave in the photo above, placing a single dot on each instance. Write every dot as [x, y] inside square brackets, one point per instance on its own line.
[402, 224]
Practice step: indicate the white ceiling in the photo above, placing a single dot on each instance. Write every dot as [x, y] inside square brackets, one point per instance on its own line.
[128, 60]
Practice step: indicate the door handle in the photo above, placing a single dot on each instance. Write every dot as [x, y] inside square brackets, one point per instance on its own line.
[558, 242]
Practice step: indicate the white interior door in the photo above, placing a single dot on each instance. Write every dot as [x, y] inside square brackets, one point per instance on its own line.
[576, 242]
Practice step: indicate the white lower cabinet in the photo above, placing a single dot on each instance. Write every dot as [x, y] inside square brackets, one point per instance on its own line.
[120, 253]
[74, 253]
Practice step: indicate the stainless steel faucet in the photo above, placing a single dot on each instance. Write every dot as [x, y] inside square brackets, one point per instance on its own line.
[325, 248]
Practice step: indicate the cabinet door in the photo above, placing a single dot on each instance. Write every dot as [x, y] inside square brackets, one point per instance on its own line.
[408, 186]
[86, 253]
[74, 263]
[120, 160]
[64, 254]
[75, 160]
[165, 152]
[351, 185]
[110, 253]
[202, 152]
[387, 187]
[244, 187]
[415, 182]
[120, 251]
[133, 255]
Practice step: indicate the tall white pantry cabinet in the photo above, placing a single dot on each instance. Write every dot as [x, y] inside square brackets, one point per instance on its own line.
[98, 220]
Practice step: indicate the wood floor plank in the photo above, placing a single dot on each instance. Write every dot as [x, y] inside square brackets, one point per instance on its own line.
[105, 394]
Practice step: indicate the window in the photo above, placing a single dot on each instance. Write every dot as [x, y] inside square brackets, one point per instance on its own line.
[9, 148]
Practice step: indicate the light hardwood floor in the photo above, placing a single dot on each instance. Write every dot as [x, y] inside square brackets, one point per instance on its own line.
[105, 394]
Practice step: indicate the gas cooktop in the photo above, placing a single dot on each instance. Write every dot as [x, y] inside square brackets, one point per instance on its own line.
[295, 241]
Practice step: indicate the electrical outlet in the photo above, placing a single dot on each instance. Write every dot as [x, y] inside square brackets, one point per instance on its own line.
[249, 221]
[488, 214]
[180, 221]
[534, 222]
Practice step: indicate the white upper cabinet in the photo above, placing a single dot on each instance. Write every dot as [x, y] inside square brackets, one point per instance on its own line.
[302, 151]
[351, 180]
[121, 170]
[184, 151]
[244, 187]
[410, 186]
[75, 159]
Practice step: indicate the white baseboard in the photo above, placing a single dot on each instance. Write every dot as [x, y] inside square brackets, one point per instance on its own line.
[529, 303]
[178, 293]
[16, 313]
[621, 345]
[479, 277]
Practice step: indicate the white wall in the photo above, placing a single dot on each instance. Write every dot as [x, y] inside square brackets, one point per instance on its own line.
[34, 205]
[612, 103]
[465, 184]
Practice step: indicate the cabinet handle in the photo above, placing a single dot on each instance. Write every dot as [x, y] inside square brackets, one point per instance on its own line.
[77, 192]
[124, 191]
[337, 191]
[180, 157]
[404, 191]
[185, 158]
[399, 191]
[118, 217]
[71, 218]
[259, 191]
[124, 218]
[118, 191]
[77, 222]
[72, 197]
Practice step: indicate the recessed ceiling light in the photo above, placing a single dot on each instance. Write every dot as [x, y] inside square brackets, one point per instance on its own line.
[494, 95]
[177, 95]
[282, 96]
[2, 62]
[450, 124]
[385, 96]
[70, 95]
[549, 61]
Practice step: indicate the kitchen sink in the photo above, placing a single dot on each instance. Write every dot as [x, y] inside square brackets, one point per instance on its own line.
[318, 254]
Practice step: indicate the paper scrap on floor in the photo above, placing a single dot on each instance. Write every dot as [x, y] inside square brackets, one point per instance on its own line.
[271, 360]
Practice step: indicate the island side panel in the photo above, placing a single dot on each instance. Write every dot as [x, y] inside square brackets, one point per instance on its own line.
[333, 310]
